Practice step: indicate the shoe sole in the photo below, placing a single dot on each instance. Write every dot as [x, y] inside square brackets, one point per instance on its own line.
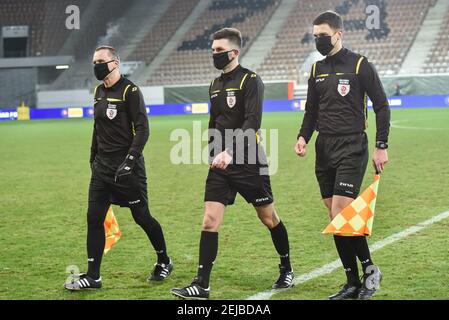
[178, 295]
[278, 288]
[83, 289]
[368, 298]
[348, 298]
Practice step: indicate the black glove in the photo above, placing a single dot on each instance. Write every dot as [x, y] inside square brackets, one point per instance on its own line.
[126, 167]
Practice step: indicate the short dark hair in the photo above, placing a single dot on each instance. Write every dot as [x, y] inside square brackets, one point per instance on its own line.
[330, 18]
[232, 34]
[111, 50]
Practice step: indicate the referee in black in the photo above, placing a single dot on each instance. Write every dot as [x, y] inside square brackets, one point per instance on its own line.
[118, 169]
[238, 163]
[337, 108]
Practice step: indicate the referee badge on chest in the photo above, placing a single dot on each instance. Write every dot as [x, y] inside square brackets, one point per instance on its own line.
[231, 99]
[111, 111]
[343, 87]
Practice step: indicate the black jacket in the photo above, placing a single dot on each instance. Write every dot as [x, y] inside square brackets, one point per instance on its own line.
[337, 97]
[236, 106]
[121, 121]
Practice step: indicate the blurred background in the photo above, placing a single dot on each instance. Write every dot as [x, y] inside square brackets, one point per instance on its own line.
[46, 46]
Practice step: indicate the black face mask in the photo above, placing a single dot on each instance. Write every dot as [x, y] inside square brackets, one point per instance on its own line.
[324, 44]
[221, 60]
[101, 70]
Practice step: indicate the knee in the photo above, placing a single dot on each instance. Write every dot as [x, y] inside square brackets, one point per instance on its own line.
[269, 222]
[210, 223]
[268, 217]
[142, 216]
[94, 220]
[330, 214]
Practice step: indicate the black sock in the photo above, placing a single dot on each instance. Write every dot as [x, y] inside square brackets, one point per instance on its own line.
[348, 257]
[363, 253]
[279, 236]
[96, 214]
[153, 229]
[208, 254]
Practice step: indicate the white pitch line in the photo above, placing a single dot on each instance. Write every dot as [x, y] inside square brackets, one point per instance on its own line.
[394, 124]
[330, 267]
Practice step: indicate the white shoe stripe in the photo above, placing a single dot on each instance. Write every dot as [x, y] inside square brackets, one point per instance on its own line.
[80, 284]
[196, 290]
[188, 290]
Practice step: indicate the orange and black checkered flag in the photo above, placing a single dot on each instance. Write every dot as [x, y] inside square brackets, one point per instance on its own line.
[357, 218]
[112, 230]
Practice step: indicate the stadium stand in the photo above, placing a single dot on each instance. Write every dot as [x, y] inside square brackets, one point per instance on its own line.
[438, 60]
[45, 19]
[109, 12]
[191, 62]
[163, 30]
[385, 47]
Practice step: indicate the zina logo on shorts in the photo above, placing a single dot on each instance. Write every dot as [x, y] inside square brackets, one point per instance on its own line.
[349, 185]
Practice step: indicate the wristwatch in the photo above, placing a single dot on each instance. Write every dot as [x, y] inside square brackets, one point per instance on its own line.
[381, 145]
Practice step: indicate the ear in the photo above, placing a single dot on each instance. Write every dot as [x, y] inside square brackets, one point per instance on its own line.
[340, 33]
[236, 53]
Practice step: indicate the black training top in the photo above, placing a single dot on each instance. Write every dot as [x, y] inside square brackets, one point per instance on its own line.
[121, 121]
[337, 97]
[236, 103]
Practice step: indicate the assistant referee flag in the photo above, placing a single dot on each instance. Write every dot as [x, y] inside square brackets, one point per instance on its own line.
[357, 218]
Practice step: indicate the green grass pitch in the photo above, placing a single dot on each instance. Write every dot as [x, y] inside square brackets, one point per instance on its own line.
[43, 200]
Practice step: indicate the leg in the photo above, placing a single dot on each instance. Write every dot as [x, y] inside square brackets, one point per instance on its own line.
[348, 181]
[268, 216]
[96, 214]
[218, 194]
[152, 228]
[328, 203]
[213, 217]
[345, 245]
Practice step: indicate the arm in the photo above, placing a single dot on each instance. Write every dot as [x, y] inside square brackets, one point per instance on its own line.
[311, 113]
[373, 87]
[310, 118]
[93, 146]
[139, 118]
[253, 97]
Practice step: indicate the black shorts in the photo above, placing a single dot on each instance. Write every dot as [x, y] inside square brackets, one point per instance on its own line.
[341, 164]
[222, 186]
[130, 190]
